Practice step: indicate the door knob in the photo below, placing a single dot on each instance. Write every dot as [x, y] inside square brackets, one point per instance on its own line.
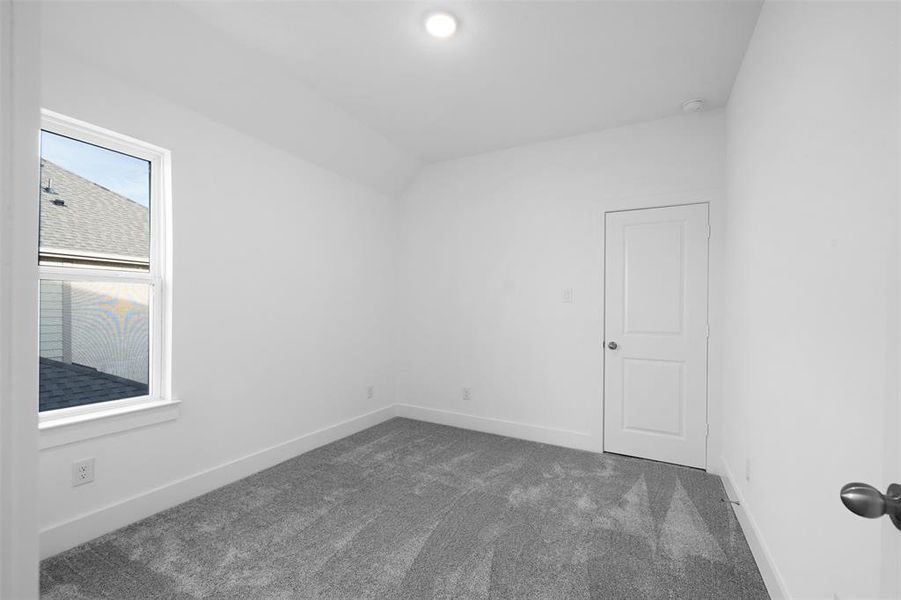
[868, 502]
[612, 345]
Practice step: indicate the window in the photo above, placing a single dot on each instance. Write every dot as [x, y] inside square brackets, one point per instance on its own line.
[102, 263]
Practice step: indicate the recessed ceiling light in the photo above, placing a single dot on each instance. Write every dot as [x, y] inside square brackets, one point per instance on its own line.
[441, 25]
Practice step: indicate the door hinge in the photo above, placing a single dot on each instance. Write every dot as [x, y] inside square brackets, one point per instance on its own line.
[708, 332]
[708, 429]
[708, 232]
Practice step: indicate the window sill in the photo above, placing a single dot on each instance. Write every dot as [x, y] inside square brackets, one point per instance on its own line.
[59, 431]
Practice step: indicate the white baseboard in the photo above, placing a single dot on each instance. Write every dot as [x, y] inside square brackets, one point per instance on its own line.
[62, 536]
[533, 433]
[775, 584]
[68, 534]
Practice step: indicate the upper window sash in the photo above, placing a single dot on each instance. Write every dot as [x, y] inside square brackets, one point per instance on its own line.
[160, 190]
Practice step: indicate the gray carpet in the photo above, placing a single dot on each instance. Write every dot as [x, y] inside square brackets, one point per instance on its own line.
[409, 510]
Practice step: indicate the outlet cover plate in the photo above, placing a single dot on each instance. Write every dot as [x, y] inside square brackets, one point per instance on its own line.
[82, 472]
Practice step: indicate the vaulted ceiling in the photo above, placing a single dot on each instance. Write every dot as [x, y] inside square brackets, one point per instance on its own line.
[516, 72]
[360, 86]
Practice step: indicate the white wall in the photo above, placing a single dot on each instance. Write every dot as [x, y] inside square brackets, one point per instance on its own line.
[490, 242]
[283, 302]
[810, 353]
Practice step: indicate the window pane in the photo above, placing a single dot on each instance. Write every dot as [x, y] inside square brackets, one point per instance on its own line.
[94, 342]
[94, 205]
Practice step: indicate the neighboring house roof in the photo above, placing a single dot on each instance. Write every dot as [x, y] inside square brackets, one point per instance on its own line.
[83, 219]
[63, 385]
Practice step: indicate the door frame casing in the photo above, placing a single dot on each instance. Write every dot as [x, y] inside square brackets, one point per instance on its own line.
[19, 179]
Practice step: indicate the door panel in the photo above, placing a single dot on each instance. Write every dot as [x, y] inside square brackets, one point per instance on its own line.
[656, 396]
[655, 379]
[654, 278]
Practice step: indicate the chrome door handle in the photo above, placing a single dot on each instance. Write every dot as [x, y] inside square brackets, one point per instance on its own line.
[612, 345]
[870, 503]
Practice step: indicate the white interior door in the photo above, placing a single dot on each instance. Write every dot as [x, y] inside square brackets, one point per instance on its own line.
[655, 329]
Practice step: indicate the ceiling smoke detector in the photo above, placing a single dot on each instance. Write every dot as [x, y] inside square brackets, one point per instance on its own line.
[441, 25]
[693, 106]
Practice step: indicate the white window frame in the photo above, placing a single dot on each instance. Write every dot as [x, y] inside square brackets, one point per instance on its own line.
[66, 425]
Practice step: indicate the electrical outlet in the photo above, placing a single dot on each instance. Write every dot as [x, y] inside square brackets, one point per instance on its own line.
[467, 394]
[568, 296]
[82, 472]
[370, 392]
[748, 470]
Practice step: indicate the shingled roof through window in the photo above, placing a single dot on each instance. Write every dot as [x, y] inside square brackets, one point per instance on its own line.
[82, 218]
[63, 385]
